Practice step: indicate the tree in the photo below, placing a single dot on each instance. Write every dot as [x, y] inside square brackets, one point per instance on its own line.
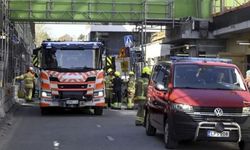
[41, 34]
[65, 37]
[81, 37]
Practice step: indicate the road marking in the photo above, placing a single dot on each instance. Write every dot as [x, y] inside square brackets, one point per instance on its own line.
[110, 138]
[98, 126]
[56, 145]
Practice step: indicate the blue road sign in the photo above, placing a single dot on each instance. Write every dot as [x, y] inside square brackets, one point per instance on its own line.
[128, 41]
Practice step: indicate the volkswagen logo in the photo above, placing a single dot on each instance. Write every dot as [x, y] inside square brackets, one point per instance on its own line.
[218, 112]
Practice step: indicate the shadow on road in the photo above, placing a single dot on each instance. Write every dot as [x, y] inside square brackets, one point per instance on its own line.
[33, 111]
[190, 145]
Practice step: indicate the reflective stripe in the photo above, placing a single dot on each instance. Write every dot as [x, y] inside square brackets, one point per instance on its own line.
[54, 86]
[45, 81]
[54, 92]
[99, 80]
[90, 92]
[46, 90]
[140, 119]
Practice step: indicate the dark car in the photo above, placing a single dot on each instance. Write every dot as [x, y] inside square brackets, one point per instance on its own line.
[198, 99]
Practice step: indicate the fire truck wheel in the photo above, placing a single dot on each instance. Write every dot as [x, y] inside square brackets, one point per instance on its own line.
[44, 111]
[98, 111]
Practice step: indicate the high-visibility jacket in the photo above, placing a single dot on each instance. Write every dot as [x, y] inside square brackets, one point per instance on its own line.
[28, 78]
[108, 82]
[131, 85]
[141, 89]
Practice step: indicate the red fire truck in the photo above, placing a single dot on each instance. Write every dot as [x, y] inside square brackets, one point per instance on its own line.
[70, 75]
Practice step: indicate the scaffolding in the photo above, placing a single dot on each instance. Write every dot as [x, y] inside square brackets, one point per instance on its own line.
[4, 41]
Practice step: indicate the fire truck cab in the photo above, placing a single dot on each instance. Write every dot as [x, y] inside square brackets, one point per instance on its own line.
[70, 75]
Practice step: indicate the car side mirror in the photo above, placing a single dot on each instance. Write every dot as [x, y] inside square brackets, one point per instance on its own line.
[161, 87]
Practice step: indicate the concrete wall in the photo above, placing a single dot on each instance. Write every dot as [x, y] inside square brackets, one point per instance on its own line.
[233, 47]
[238, 53]
[114, 40]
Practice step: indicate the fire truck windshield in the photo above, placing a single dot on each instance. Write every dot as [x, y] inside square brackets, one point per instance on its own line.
[70, 59]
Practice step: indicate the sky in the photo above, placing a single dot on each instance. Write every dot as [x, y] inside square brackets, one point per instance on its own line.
[57, 30]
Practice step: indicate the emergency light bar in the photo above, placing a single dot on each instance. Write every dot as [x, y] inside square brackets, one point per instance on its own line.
[82, 45]
[179, 59]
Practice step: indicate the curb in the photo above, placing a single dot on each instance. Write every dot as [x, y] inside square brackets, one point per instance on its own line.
[7, 119]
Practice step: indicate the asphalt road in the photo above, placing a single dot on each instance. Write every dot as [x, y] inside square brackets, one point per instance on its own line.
[115, 130]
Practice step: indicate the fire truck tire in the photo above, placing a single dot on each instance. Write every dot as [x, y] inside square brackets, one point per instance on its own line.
[98, 111]
[44, 111]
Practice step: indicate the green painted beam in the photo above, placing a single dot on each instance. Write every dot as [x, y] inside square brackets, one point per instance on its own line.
[130, 11]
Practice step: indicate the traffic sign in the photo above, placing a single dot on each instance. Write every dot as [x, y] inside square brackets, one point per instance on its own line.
[128, 41]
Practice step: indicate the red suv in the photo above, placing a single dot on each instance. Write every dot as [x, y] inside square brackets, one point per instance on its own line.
[198, 99]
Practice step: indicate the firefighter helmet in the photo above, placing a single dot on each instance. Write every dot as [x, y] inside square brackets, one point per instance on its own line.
[117, 73]
[109, 70]
[30, 69]
[131, 73]
[146, 70]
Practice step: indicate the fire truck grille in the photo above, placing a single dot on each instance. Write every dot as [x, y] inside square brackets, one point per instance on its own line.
[74, 95]
[72, 86]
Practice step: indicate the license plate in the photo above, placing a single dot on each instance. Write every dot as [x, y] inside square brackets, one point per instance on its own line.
[71, 102]
[217, 134]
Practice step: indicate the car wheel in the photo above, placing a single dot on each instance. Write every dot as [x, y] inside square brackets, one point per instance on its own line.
[170, 143]
[244, 145]
[150, 130]
[98, 111]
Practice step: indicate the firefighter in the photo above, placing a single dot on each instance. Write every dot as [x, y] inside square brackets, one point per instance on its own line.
[108, 86]
[117, 90]
[141, 95]
[247, 79]
[29, 79]
[131, 90]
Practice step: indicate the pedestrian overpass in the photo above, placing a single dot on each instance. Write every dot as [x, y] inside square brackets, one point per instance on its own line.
[106, 11]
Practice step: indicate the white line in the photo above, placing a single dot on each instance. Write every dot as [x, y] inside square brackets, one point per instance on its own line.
[110, 138]
[56, 145]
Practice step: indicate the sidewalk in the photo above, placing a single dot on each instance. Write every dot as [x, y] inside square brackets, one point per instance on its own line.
[8, 117]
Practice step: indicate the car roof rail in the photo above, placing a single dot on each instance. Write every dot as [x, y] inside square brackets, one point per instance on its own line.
[195, 59]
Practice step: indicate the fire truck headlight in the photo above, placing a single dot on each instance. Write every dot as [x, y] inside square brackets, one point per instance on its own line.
[46, 94]
[98, 93]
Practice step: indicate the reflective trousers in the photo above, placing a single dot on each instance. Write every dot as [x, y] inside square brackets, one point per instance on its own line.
[130, 103]
[109, 96]
[140, 113]
[28, 94]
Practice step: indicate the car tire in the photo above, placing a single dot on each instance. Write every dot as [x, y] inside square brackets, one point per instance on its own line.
[150, 130]
[98, 111]
[244, 145]
[170, 142]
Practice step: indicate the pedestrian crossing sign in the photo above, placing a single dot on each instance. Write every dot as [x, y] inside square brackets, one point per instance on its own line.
[128, 41]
